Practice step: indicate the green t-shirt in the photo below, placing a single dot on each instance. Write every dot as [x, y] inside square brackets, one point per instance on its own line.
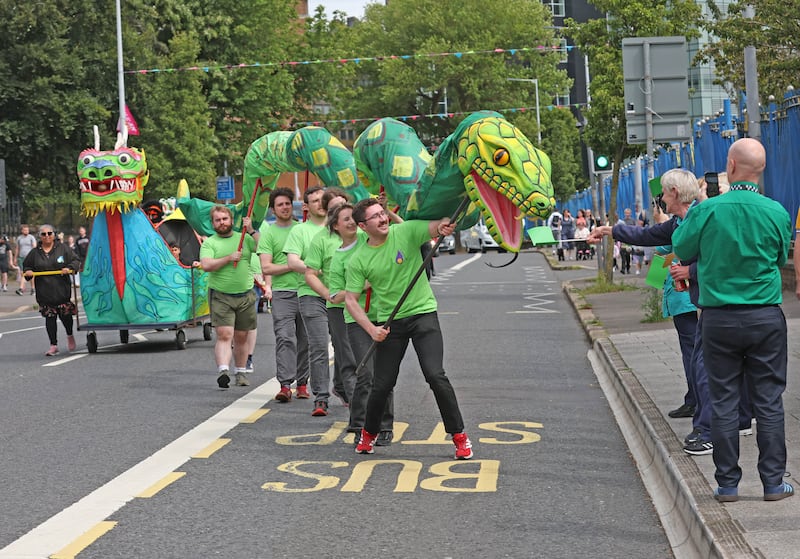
[298, 242]
[741, 240]
[229, 279]
[337, 280]
[319, 255]
[390, 267]
[272, 242]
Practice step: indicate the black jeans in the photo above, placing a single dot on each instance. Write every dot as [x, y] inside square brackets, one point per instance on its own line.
[424, 332]
[746, 344]
[360, 342]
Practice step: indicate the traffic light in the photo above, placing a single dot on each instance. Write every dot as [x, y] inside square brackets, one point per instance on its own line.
[602, 163]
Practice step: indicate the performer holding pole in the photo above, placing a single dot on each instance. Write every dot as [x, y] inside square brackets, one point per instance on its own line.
[53, 262]
[391, 259]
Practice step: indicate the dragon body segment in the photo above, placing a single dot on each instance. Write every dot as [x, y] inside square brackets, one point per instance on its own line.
[130, 275]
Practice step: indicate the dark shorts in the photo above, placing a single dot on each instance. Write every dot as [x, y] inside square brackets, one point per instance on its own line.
[237, 310]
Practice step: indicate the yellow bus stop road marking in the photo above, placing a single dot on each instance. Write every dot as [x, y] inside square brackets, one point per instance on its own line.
[156, 487]
[211, 449]
[84, 541]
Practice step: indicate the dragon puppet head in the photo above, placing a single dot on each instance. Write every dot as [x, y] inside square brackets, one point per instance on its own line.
[112, 180]
[505, 176]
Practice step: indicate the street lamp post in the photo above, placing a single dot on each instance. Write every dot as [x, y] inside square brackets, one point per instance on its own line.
[535, 82]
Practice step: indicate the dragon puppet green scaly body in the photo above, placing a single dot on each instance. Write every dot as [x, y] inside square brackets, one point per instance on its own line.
[486, 158]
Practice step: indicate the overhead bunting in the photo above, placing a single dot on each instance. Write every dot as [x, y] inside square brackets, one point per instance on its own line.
[356, 60]
[442, 116]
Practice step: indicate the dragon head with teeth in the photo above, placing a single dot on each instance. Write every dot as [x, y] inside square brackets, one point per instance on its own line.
[112, 180]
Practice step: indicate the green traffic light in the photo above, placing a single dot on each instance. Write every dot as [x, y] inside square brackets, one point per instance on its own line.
[602, 162]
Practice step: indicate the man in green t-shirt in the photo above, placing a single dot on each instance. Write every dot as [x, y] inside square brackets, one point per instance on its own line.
[389, 261]
[741, 241]
[291, 345]
[231, 296]
[312, 306]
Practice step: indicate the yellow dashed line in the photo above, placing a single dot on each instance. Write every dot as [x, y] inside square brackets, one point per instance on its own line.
[84, 541]
[212, 448]
[158, 486]
[256, 415]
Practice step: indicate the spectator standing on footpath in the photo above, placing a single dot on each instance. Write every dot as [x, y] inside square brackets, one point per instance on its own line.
[680, 193]
[389, 261]
[744, 329]
[6, 262]
[554, 223]
[568, 232]
[312, 306]
[280, 287]
[25, 243]
[81, 250]
[54, 295]
[231, 296]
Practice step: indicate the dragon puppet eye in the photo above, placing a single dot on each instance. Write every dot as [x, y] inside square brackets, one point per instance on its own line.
[87, 159]
[124, 158]
[501, 157]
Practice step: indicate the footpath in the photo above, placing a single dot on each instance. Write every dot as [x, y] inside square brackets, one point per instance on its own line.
[642, 376]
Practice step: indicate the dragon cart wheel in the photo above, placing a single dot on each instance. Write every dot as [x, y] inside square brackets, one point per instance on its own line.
[180, 339]
[91, 342]
[124, 336]
[207, 331]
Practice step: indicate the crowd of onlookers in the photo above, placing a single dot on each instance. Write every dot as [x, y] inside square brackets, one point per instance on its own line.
[571, 234]
[13, 254]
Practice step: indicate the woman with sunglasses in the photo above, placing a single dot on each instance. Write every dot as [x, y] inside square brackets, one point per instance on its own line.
[52, 262]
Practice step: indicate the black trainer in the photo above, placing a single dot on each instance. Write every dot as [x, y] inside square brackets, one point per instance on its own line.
[699, 448]
[684, 411]
[223, 380]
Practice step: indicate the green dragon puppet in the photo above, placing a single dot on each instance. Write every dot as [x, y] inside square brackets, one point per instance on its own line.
[130, 276]
[486, 158]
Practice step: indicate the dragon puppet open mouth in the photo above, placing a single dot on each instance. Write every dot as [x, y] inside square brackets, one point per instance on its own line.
[506, 178]
[111, 180]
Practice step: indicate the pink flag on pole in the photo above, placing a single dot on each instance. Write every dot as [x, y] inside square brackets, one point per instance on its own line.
[130, 123]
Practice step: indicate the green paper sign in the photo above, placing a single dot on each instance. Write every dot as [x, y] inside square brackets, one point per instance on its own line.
[542, 235]
[655, 186]
[657, 272]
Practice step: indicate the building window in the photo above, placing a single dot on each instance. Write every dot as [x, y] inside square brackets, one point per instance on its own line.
[563, 100]
[557, 7]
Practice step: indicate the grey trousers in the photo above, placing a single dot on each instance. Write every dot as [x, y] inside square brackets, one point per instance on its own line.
[344, 365]
[315, 319]
[291, 344]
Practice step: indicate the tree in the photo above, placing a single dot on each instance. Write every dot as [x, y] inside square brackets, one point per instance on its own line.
[601, 40]
[423, 85]
[774, 30]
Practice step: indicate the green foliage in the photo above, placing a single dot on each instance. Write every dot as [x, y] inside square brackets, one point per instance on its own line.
[774, 31]
[561, 141]
[651, 306]
[425, 85]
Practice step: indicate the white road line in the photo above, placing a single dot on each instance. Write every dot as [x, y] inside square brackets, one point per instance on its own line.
[72, 357]
[465, 263]
[63, 528]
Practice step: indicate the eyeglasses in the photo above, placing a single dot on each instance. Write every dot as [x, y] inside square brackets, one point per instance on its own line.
[46, 233]
[373, 216]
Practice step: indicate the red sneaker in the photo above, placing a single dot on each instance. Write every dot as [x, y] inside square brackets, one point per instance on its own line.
[320, 409]
[285, 395]
[366, 443]
[302, 392]
[463, 446]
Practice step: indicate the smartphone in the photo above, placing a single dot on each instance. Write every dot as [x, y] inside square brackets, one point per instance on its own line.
[658, 201]
[712, 184]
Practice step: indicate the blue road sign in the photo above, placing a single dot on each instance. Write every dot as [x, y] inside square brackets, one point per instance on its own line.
[225, 188]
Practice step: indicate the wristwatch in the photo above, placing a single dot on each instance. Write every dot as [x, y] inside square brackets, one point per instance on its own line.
[331, 296]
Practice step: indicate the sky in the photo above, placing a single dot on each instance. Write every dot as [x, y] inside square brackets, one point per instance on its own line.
[354, 8]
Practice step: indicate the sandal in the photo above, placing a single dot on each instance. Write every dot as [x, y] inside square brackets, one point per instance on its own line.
[52, 351]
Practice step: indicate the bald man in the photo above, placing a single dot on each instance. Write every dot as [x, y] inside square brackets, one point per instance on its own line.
[741, 241]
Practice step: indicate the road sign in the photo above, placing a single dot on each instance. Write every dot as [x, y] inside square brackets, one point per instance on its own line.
[666, 86]
[225, 188]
